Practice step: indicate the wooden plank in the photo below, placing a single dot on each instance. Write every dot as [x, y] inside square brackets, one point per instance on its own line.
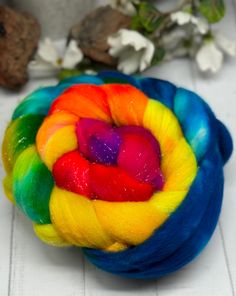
[100, 283]
[7, 102]
[220, 92]
[36, 269]
[207, 275]
[6, 209]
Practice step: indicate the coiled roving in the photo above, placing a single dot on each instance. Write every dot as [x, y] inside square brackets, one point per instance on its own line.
[130, 169]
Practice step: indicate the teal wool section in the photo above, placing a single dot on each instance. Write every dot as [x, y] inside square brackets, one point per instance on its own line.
[196, 120]
[38, 102]
[83, 79]
[32, 186]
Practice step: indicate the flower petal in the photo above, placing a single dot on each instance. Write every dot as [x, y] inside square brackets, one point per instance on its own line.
[129, 61]
[116, 47]
[133, 38]
[181, 17]
[47, 51]
[209, 57]
[227, 45]
[147, 56]
[39, 68]
[134, 51]
[73, 55]
[201, 24]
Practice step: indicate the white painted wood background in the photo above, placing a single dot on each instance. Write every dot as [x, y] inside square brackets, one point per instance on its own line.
[31, 268]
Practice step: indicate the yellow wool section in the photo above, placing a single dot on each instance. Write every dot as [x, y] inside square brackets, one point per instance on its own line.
[62, 141]
[116, 247]
[129, 223]
[7, 186]
[179, 167]
[178, 164]
[167, 202]
[6, 163]
[163, 124]
[75, 219]
[48, 234]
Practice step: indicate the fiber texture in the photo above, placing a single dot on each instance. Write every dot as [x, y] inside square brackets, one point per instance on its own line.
[128, 168]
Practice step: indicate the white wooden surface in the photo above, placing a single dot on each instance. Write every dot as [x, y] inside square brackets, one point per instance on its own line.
[31, 268]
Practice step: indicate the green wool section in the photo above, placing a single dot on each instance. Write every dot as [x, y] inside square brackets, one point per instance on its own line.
[19, 135]
[32, 186]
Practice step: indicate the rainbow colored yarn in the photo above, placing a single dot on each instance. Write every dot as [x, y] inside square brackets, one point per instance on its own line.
[130, 169]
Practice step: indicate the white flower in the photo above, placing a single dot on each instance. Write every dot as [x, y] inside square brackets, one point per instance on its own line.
[227, 45]
[125, 6]
[48, 60]
[209, 57]
[133, 50]
[73, 55]
[183, 18]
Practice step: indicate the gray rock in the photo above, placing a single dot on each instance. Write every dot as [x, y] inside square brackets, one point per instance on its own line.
[92, 32]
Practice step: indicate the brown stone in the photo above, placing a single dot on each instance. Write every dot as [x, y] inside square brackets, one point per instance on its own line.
[92, 32]
[19, 36]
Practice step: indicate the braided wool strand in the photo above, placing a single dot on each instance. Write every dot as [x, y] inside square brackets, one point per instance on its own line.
[128, 168]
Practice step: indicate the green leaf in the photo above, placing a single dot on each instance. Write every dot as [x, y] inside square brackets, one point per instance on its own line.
[213, 10]
[66, 73]
[149, 17]
[135, 23]
[158, 56]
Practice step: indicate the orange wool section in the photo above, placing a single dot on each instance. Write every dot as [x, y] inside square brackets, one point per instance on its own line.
[127, 104]
[83, 100]
[51, 124]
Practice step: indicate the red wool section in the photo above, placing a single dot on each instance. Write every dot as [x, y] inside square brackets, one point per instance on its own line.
[111, 163]
[114, 184]
[71, 172]
[138, 158]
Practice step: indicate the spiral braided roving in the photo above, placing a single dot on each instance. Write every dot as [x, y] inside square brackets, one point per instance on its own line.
[130, 169]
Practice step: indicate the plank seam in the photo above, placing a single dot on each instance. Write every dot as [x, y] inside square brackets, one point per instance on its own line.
[226, 259]
[11, 251]
[157, 292]
[84, 275]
